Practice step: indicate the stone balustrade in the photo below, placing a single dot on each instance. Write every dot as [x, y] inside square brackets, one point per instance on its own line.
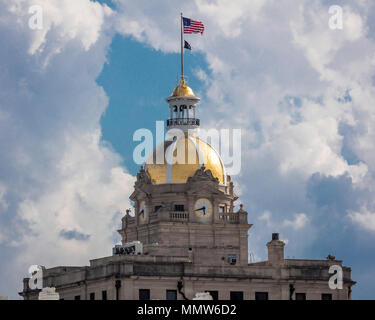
[229, 217]
[183, 216]
[179, 216]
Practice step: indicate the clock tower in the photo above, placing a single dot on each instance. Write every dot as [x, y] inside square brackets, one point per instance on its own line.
[186, 208]
[184, 236]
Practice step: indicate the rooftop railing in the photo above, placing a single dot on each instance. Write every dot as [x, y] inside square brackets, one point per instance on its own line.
[183, 216]
[183, 122]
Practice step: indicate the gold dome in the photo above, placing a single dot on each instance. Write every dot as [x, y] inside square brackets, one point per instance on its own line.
[183, 90]
[197, 153]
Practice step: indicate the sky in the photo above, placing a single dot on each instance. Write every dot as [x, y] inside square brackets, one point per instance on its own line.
[73, 93]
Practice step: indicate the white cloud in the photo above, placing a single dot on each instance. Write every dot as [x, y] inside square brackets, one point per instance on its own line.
[266, 217]
[57, 174]
[233, 15]
[299, 222]
[364, 219]
[82, 20]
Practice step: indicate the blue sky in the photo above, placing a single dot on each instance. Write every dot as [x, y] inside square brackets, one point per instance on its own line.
[73, 93]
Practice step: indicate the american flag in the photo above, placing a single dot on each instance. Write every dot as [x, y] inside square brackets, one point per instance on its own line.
[192, 26]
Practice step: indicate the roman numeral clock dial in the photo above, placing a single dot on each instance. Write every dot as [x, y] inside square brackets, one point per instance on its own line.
[203, 209]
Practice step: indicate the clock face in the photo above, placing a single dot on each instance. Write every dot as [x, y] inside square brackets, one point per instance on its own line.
[203, 209]
[142, 212]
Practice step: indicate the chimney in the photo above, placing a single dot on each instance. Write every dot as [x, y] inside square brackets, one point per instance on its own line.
[275, 250]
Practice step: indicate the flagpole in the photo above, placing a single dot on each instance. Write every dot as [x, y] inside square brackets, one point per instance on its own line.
[182, 49]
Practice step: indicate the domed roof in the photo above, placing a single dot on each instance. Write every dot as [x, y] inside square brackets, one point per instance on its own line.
[183, 90]
[197, 154]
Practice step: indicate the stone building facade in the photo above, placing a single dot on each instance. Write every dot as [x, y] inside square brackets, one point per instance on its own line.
[192, 237]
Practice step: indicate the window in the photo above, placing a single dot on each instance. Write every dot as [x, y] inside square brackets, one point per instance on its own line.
[77, 298]
[144, 294]
[261, 295]
[300, 296]
[236, 295]
[104, 295]
[179, 207]
[157, 208]
[171, 295]
[92, 296]
[232, 259]
[326, 296]
[222, 209]
[214, 294]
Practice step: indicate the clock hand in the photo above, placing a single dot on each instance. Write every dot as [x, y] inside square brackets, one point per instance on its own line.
[202, 209]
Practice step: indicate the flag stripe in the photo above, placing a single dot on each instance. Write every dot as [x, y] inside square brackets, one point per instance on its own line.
[192, 26]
